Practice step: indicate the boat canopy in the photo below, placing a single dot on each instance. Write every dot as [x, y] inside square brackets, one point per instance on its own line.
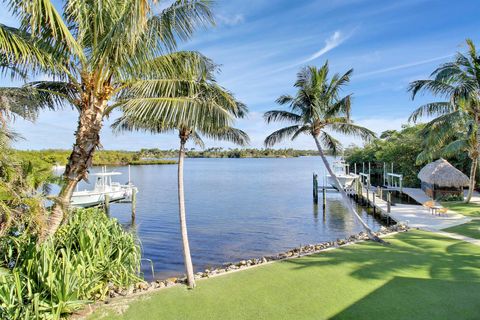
[106, 174]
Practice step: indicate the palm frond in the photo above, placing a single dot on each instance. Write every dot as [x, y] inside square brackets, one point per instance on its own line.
[180, 21]
[45, 22]
[424, 157]
[431, 109]
[281, 134]
[229, 134]
[331, 143]
[436, 87]
[351, 129]
[456, 147]
[279, 116]
[284, 99]
[197, 139]
[340, 107]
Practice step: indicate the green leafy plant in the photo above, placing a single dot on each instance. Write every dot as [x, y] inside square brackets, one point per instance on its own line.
[451, 197]
[78, 265]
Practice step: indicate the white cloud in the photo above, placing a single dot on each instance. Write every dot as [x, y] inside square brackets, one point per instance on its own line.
[336, 39]
[230, 20]
[402, 66]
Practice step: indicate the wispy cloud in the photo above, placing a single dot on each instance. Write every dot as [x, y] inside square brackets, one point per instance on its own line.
[336, 39]
[230, 20]
[402, 66]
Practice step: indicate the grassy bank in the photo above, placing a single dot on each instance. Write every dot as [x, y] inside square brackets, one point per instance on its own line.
[470, 229]
[467, 209]
[362, 281]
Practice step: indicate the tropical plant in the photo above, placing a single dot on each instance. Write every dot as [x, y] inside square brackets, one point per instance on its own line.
[78, 265]
[95, 52]
[316, 108]
[459, 82]
[209, 110]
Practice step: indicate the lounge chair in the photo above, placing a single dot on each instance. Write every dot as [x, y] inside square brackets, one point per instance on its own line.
[429, 204]
[442, 211]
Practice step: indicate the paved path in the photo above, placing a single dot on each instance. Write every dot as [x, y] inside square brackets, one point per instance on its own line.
[417, 216]
[457, 236]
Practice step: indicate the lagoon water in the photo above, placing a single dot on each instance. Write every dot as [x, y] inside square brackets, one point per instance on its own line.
[236, 209]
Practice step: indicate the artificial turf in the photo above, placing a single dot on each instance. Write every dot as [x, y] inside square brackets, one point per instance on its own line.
[470, 229]
[467, 209]
[419, 275]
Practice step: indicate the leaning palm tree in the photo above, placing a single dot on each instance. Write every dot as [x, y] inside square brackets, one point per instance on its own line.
[316, 108]
[96, 51]
[208, 111]
[459, 82]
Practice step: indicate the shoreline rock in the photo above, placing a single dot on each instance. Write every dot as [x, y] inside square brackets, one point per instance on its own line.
[303, 250]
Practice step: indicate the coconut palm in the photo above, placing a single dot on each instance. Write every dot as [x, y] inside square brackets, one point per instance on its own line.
[208, 111]
[95, 52]
[317, 107]
[459, 82]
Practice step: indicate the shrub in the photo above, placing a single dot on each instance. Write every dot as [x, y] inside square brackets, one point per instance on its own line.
[451, 197]
[86, 256]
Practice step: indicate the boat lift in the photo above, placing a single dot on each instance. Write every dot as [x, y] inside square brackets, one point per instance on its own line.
[391, 179]
[364, 175]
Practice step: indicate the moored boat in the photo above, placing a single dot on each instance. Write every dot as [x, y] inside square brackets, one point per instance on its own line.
[340, 169]
[103, 186]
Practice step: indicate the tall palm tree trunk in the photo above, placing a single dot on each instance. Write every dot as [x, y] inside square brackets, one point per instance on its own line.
[343, 193]
[181, 211]
[87, 139]
[473, 174]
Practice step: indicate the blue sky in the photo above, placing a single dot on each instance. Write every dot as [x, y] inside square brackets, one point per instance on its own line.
[262, 44]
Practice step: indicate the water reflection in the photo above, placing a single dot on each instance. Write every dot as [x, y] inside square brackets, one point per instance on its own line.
[236, 208]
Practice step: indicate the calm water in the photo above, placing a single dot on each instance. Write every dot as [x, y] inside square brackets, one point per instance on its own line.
[236, 209]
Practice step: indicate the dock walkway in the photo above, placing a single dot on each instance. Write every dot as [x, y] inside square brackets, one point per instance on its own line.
[415, 216]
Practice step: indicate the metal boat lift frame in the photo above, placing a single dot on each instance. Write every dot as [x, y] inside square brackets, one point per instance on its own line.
[391, 179]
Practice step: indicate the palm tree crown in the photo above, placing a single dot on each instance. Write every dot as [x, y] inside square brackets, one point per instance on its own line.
[99, 52]
[317, 107]
[207, 110]
[455, 127]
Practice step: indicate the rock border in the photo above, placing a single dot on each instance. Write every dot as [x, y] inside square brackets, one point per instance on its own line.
[143, 287]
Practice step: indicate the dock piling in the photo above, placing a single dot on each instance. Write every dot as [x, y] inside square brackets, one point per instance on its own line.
[389, 202]
[315, 188]
[107, 204]
[324, 199]
[134, 203]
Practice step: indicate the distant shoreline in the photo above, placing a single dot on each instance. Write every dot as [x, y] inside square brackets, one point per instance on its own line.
[52, 157]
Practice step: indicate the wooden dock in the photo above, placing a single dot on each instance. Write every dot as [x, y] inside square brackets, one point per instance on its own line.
[415, 216]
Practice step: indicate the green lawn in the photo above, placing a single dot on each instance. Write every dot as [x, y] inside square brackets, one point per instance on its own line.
[470, 229]
[469, 210]
[420, 275]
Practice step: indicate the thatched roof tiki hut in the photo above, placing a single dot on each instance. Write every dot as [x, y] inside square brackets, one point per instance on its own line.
[440, 179]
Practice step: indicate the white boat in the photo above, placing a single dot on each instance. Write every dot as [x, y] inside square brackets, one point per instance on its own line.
[340, 169]
[103, 186]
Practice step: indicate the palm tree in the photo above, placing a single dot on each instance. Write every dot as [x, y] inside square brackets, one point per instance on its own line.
[209, 111]
[459, 82]
[316, 108]
[96, 51]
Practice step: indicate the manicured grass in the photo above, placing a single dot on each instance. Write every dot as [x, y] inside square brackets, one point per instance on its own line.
[419, 275]
[470, 229]
[469, 210]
